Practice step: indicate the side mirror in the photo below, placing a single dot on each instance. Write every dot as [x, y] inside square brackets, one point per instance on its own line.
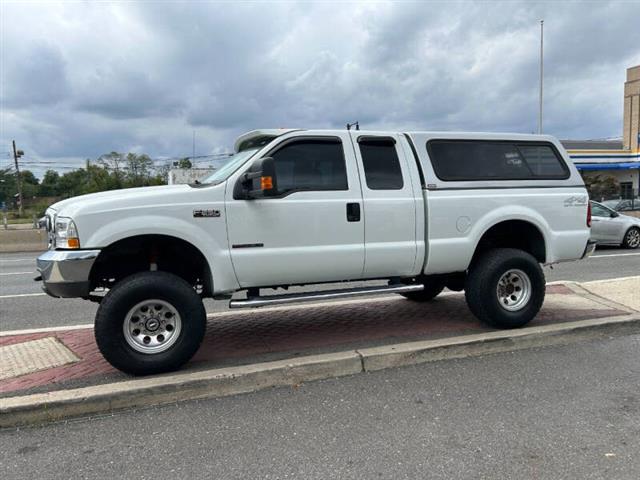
[257, 182]
[614, 214]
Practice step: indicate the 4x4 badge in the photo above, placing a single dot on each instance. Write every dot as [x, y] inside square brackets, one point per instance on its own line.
[206, 213]
[576, 201]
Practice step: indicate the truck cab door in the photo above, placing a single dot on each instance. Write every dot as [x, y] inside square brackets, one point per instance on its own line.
[391, 198]
[311, 230]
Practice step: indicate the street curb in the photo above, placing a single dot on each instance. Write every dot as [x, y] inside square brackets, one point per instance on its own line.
[164, 389]
[171, 388]
[379, 358]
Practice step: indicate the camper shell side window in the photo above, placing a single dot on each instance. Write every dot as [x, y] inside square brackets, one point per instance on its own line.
[486, 160]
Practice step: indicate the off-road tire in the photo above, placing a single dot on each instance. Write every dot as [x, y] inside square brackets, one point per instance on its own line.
[129, 292]
[481, 289]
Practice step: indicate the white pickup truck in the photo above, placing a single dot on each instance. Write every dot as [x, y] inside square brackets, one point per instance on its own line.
[424, 211]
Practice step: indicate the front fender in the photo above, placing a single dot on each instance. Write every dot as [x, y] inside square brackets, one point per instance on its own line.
[210, 241]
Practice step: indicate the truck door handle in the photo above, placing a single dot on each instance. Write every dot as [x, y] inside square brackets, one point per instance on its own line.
[353, 212]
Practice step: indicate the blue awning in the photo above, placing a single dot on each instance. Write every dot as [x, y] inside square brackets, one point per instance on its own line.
[608, 166]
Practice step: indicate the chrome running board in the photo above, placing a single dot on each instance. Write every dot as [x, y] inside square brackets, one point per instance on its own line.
[258, 301]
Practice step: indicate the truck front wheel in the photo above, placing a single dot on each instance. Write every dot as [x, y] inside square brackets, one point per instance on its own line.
[505, 288]
[150, 322]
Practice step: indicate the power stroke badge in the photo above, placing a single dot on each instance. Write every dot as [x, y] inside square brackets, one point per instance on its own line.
[206, 213]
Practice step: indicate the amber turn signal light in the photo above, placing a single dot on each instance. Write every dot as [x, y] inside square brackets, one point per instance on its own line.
[266, 183]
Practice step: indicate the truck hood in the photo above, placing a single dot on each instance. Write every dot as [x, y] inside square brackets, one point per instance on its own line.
[119, 199]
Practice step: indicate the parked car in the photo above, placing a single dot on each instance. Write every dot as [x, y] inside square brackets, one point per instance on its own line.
[609, 227]
[472, 212]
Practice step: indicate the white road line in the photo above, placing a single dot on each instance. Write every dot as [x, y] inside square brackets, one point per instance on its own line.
[18, 260]
[614, 255]
[17, 295]
[16, 273]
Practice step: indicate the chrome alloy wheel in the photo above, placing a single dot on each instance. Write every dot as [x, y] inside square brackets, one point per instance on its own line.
[152, 326]
[633, 238]
[514, 290]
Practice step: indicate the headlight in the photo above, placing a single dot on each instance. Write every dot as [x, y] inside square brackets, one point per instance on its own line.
[66, 233]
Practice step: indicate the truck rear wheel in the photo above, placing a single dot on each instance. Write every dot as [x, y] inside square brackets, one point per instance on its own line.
[150, 322]
[505, 288]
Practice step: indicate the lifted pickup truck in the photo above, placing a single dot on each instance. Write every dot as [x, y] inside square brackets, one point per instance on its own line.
[425, 211]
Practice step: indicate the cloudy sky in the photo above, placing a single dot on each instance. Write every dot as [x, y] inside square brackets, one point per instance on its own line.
[81, 78]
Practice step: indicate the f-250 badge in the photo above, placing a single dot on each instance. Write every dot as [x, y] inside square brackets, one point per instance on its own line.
[206, 213]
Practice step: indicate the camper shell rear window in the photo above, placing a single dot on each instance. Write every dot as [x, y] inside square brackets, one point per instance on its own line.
[477, 160]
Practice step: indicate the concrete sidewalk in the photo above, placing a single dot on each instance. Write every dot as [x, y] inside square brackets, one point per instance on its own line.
[320, 340]
[625, 292]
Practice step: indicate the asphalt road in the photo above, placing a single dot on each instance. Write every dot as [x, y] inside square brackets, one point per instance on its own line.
[23, 305]
[556, 412]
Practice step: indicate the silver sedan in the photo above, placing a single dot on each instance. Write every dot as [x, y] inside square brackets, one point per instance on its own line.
[609, 227]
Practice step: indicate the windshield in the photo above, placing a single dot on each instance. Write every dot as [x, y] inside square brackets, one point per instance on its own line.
[233, 163]
[610, 204]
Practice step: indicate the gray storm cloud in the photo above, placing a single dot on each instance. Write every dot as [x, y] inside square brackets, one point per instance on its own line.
[87, 78]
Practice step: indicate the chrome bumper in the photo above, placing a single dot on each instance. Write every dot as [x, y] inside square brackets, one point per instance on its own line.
[589, 249]
[65, 273]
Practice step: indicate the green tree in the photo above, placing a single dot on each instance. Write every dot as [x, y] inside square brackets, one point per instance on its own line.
[114, 162]
[73, 183]
[8, 186]
[100, 179]
[50, 184]
[109, 172]
[184, 163]
[138, 169]
[162, 174]
[601, 187]
[30, 184]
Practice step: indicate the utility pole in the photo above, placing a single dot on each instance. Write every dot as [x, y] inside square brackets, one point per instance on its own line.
[193, 151]
[16, 155]
[541, 77]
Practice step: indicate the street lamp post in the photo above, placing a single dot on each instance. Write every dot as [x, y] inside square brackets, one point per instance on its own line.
[541, 77]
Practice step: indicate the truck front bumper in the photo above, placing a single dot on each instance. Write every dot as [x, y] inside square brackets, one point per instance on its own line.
[65, 273]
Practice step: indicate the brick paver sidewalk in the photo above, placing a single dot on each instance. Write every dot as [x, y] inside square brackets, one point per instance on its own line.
[240, 337]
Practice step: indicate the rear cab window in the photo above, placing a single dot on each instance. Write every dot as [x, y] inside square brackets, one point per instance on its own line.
[382, 169]
[485, 160]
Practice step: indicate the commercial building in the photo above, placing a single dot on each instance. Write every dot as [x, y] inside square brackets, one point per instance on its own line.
[617, 159]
